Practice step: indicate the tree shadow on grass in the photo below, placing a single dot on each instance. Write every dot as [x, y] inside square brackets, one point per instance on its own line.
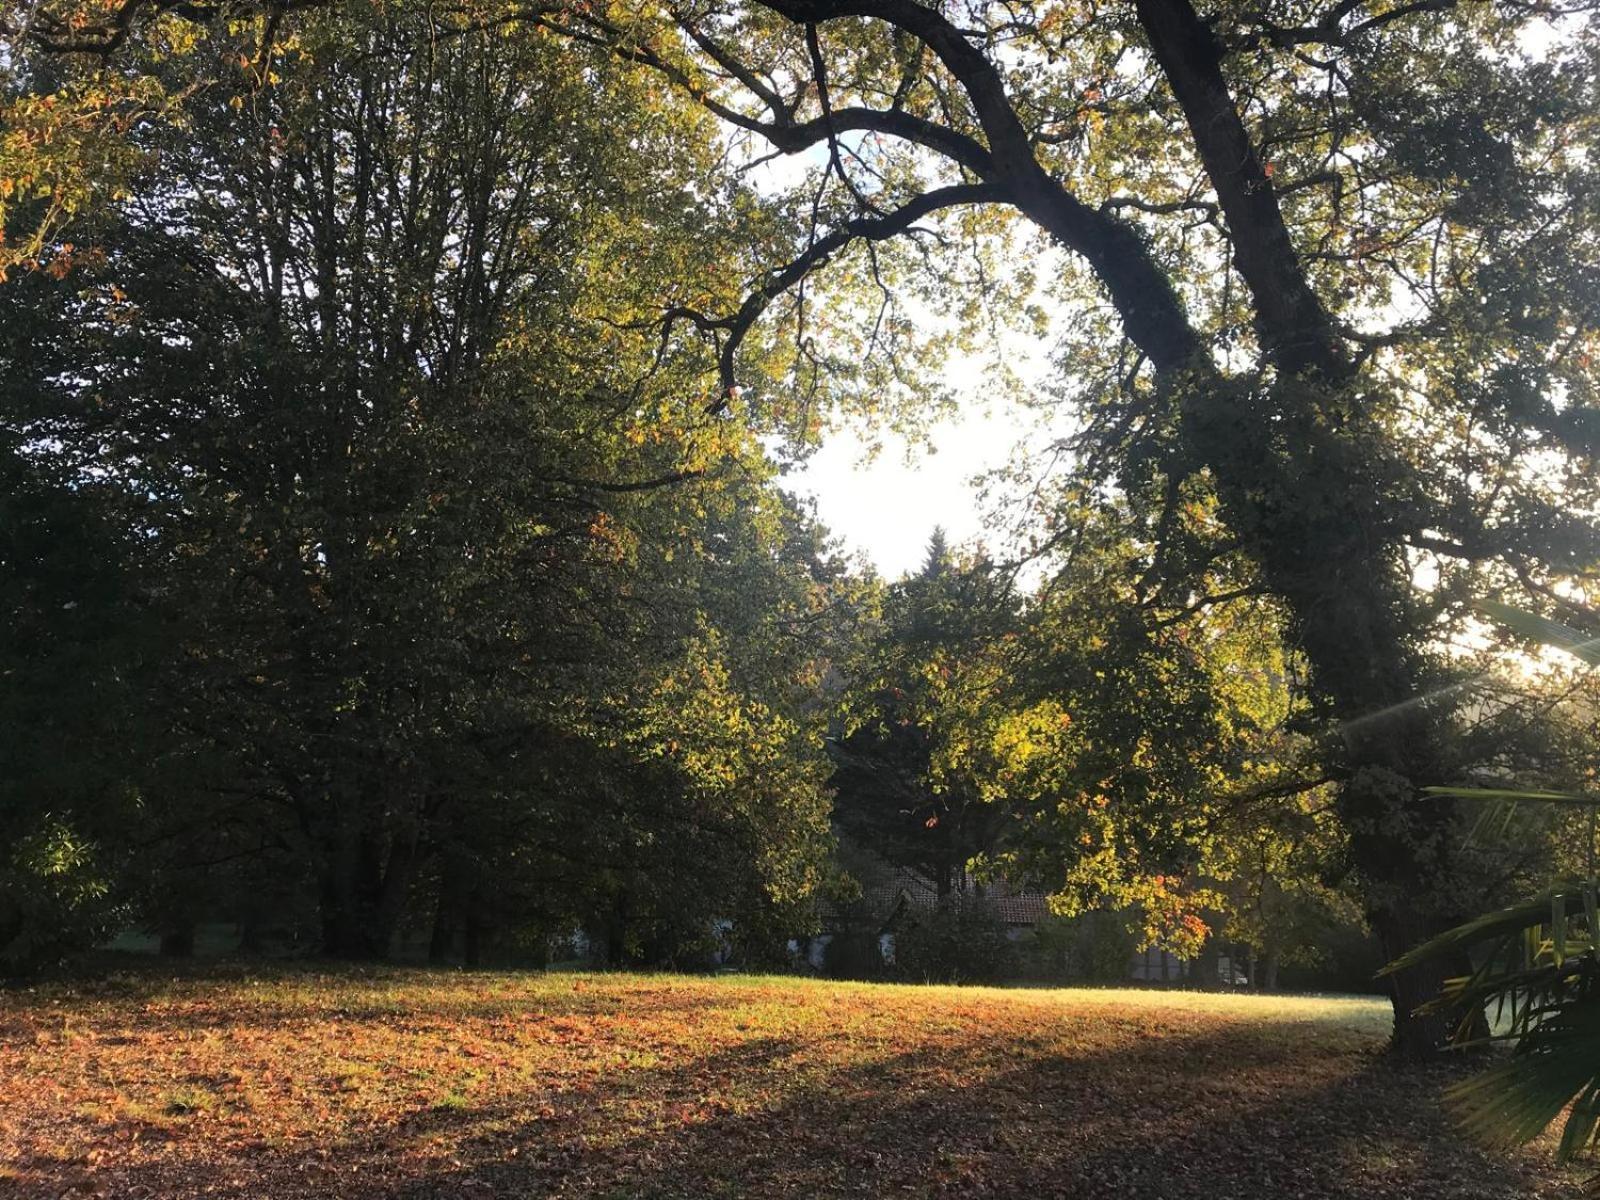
[1232, 1110]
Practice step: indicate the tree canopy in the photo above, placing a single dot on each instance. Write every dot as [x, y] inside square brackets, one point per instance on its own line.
[1329, 273]
[446, 579]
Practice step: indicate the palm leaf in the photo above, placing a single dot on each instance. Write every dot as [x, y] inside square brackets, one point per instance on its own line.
[1516, 1101]
[1540, 975]
[1543, 629]
[1528, 914]
[1511, 795]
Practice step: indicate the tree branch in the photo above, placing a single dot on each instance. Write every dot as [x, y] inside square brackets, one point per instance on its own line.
[1294, 327]
[873, 229]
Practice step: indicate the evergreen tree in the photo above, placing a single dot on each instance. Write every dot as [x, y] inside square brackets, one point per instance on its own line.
[889, 797]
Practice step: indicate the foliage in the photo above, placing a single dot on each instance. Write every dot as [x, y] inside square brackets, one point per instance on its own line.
[960, 940]
[853, 953]
[52, 894]
[1066, 741]
[473, 614]
[1537, 974]
[1101, 945]
[70, 673]
[1326, 296]
[897, 791]
[1537, 971]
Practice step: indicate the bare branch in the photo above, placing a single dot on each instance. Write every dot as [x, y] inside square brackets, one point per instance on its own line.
[782, 110]
[819, 71]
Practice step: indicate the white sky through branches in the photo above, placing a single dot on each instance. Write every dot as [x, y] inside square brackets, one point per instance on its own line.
[886, 506]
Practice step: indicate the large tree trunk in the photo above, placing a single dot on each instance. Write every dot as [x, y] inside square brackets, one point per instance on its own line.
[1312, 492]
[356, 921]
[1308, 503]
[617, 920]
[1306, 479]
[177, 940]
[1416, 1034]
[1307, 487]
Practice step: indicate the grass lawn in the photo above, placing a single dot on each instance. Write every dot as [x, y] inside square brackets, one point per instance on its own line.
[406, 1083]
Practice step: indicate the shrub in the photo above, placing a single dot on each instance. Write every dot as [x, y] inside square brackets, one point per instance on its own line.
[960, 941]
[1104, 948]
[853, 954]
[53, 900]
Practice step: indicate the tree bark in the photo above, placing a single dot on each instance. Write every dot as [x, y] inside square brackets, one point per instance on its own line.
[1418, 1036]
[442, 940]
[177, 941]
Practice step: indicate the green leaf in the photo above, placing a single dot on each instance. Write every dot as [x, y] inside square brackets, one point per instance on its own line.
[1512, 795]
[1543, 629]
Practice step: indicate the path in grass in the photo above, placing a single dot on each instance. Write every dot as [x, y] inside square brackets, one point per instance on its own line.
[411, 1084]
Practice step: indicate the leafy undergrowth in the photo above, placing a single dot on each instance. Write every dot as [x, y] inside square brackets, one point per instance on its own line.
[411, 1084]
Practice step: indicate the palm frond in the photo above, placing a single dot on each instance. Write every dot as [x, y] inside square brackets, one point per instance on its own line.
[1516, 1101]
[1537, 969]
[1511, 795]
[1518, 917]
[1543, 629]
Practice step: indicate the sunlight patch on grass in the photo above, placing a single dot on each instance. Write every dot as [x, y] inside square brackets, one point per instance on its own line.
[365, 1083]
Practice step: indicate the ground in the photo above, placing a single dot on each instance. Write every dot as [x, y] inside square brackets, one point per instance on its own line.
[413, 1084]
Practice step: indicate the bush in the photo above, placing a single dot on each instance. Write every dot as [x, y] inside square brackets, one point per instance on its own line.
[53, 901]
[1093, 946]
[853, 954]
[1048, 953]
[1105, 947]
[960, 941]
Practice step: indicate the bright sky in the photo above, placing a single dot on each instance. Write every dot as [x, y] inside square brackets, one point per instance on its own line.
[886, 508]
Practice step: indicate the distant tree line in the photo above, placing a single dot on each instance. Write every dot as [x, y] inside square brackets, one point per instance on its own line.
[1159, 781]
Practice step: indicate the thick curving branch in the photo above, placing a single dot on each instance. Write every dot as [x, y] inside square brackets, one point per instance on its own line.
[781, 131]
[1151, 311]
[1330, 29]
[1008, 139]
[1295, 328]
[960, 149]
[866, 228]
